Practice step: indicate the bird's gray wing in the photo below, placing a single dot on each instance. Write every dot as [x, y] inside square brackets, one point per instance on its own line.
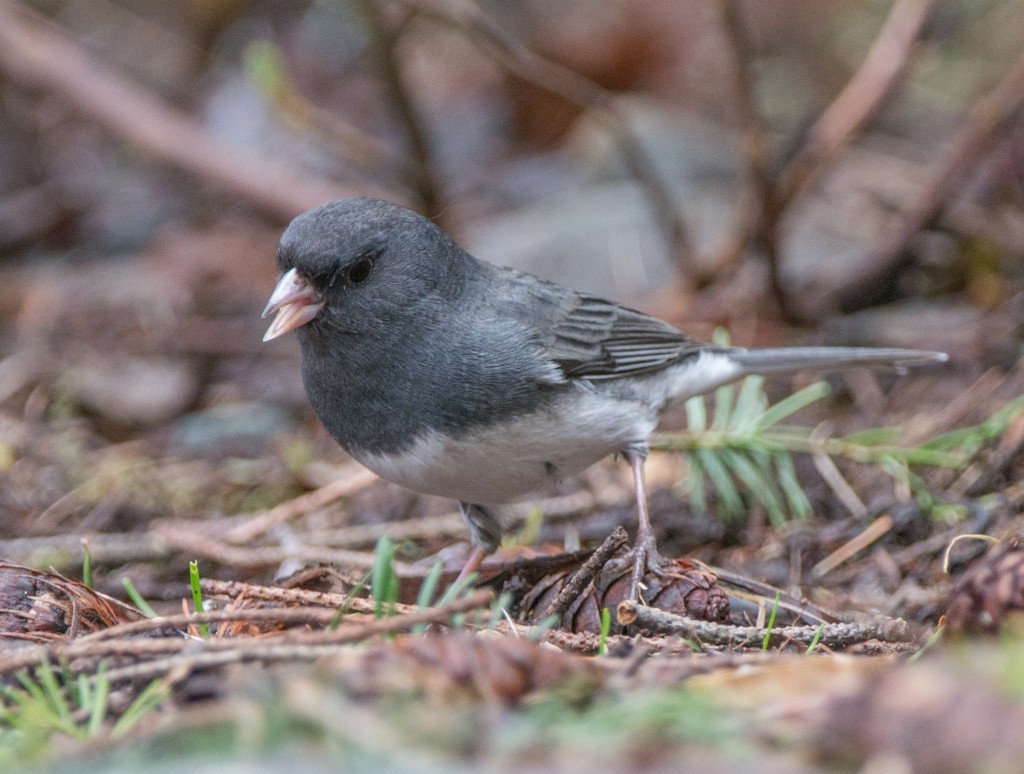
[591, 338]
[599, 339]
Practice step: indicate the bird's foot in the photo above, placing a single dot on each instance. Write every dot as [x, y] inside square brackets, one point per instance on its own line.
[645, 558]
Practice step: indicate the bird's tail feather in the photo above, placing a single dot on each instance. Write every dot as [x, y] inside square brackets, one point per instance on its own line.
[785, 359]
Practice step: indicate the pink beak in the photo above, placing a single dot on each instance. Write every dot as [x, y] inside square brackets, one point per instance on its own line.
[296, 303]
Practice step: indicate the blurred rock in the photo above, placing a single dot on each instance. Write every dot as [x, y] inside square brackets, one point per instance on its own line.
[596, 232]
[238, 429]
[133, 390]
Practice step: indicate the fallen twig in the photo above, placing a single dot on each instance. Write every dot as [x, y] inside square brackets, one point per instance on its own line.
[206, 546]
[873, 532]
[586, 573]
[194, 653]
[260, 523]
[831, 635]
[282, 615]
[304, 597]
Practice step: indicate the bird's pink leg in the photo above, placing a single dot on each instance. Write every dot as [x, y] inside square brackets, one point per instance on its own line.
[472, 564]
[645, 550]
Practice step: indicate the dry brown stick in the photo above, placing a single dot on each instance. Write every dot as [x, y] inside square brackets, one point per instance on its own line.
[63, 551]
[208, 547]
[876, 78]
[879, 73]
[586, 573]
[36, 55]
[555, 509]
[259, 524]
[383, 45]
[833, 635]
[284, 615]
[524, 63]
[986, 122]
[869, 535]
[803, 608]
[250, 648]
[347, 140]
[756, 150]
[947, 415]
[305, 597]
[425, 527]
[305, 646]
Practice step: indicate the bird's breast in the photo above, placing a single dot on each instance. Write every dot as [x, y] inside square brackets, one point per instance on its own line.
[509, 459]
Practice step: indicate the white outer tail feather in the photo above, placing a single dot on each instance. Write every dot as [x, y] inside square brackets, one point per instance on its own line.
[714, 368]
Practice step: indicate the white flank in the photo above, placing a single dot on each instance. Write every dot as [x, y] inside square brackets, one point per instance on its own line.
[700, 375]
[513, 459]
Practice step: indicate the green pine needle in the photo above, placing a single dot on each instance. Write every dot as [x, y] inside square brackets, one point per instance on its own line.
[746, 453]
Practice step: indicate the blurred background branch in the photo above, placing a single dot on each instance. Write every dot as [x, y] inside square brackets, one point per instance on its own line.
[625, 151]
[38, 56]
[884, 65]
[466, 16]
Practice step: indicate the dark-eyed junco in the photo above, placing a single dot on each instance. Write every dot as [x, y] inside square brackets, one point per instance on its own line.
[455, 377]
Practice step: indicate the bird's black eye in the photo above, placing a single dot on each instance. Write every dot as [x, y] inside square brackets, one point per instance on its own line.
[359, 272]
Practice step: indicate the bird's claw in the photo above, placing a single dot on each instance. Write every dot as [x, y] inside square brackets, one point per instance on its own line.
[645, 559]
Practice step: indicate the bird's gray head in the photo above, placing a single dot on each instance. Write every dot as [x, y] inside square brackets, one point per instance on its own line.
[353, 264]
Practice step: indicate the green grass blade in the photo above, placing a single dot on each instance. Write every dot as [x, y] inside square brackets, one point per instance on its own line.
[53, 693]
[815, 640]
[98, 704]
[543, 627]
[968, 439]
[429, 586]
[929, 644]
[501, 604]
[352, 595]
[197, 595]
[384, 584]
[32, 688]
[606, 627]
[264, 66]
[875, 436]
[86, 564]
[151, 697]
[771, 621]
[137, 598]
[456, 590]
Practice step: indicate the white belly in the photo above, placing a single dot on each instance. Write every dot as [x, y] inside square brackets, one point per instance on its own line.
[511, 460]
